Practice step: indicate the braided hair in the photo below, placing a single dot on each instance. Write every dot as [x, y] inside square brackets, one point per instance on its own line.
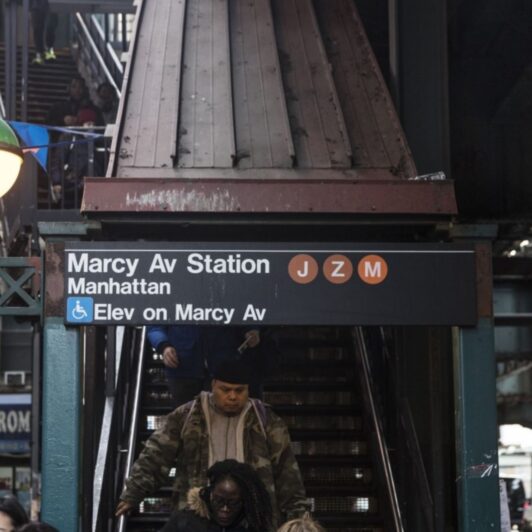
[255, 498]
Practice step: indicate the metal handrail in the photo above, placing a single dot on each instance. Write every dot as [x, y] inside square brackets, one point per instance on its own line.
[382, 449]
[2, 107]
[134, 421]
[102, 54]
[412, 443]
[105, 436]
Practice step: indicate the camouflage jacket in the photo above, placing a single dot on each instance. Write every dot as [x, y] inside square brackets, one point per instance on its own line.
[183, 442]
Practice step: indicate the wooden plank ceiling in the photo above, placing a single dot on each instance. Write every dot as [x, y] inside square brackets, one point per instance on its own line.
[223, 88]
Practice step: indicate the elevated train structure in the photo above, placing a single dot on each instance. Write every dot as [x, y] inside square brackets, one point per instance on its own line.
[268, 125]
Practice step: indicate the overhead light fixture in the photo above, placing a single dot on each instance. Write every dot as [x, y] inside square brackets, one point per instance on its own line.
[11, 157]
[512, 253]
[524, 243]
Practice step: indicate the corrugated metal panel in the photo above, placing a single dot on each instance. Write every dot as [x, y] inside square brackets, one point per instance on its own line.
[262, 129]
[373, 126]
[206, 129]
[316, 118]
[150, 128]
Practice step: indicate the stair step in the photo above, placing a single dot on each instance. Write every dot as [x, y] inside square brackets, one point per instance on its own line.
[274, 386]
[317, 410]
[314, 353]
[355, 490]
[345, 461]
[329, 447]
[317, 418]
[47, 83]
[340, 519]
[325, 475]
[315, 391]
[360, 505]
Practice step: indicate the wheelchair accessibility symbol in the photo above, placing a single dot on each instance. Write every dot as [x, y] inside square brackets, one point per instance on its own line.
[80, 309]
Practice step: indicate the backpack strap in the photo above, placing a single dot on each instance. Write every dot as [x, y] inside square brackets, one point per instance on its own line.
[262, 414]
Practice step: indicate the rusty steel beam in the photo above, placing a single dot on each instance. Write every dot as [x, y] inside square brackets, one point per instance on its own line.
[391, 196]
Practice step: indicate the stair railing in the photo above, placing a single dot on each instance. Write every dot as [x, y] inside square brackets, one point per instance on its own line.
[2, 106]
[129, 452]
[120, 416]
[400, 429]
[415, 464]
[96, 53]
[370, 406]
[109, 413]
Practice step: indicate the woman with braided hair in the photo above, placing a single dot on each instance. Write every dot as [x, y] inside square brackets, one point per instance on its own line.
[235, 500]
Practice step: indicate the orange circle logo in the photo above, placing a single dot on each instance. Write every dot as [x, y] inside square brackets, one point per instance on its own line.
[372, 269]
[337, 269]
[303, 269]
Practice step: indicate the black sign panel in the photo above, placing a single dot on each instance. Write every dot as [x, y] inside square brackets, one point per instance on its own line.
[15, 423]
[258, 283]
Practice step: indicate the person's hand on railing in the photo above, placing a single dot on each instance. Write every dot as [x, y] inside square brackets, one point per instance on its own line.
[170, 358]
[123, 508]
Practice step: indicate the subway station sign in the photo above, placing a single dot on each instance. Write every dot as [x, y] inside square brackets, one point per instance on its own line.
[133, 283]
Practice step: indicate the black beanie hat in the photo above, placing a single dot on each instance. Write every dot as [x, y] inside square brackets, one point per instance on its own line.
[234, 370]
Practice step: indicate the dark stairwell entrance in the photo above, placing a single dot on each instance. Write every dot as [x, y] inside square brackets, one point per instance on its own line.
[315, 387]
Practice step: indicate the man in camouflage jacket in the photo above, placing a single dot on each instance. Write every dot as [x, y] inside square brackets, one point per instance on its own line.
[186, 442]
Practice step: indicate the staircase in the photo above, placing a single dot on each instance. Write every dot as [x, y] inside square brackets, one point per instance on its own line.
[314, 389]
[47, 83]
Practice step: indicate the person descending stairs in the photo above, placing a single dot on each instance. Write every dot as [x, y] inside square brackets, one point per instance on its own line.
[315, 390]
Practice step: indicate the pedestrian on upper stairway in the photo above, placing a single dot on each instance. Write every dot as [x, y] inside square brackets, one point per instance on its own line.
[189, 351]
[65, 112]
[216, 426]
[107, 102]
[69, 161]
[234, 500]
[42, 19]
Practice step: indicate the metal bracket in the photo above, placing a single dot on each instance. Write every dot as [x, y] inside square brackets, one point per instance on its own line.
[20, 286]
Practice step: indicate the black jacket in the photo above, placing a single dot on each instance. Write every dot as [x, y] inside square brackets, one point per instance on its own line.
[189, 521]
[196, 518]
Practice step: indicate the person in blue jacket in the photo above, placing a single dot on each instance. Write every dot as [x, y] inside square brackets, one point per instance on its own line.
[190, 352]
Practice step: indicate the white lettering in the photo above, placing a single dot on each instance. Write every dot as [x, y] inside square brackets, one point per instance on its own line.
[255, 314]
[194, 263]
[110, 286]
[155, 314]
[337, 270]
[74, 266]
[12, 420]
[161, 264]
[190, 313]
[106, 312]
[372, 270]
[233, 263]
[24, 421]
[15, 421]
[102, 265]
[304, 272]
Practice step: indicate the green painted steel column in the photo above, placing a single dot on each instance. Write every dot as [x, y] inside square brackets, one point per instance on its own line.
[60, 425]
[476, 429]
